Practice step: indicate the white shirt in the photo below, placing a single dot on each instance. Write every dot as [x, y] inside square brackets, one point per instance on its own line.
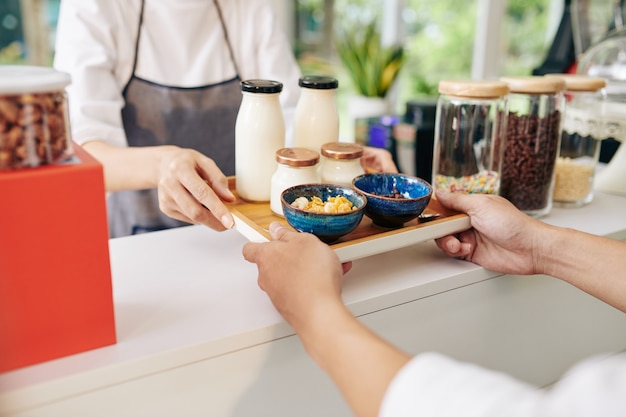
[434, 385]
[182, 44]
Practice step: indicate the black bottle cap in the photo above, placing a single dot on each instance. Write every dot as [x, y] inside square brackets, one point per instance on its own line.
[261, 86]
[318, 82]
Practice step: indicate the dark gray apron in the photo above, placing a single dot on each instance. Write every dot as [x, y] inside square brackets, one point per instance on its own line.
[201, 118]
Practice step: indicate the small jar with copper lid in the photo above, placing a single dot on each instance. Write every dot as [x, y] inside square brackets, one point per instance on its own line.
[295, 166]
[470, 124]
[580, 141]
[341, 163]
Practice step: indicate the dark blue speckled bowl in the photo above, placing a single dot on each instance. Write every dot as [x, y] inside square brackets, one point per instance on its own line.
[388, 211]
[327, 227]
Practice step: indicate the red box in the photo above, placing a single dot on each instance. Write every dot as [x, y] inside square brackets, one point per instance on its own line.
[55, 276]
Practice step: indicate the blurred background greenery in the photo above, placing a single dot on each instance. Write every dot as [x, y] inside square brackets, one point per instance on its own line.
[436, 37]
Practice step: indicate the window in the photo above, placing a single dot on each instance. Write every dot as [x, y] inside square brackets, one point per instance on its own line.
[27, 29]
[442, 38]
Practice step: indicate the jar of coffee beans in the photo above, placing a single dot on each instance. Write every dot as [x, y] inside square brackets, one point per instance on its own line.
[34, 121]
[533, 137]
[581, 139]
[470, 126]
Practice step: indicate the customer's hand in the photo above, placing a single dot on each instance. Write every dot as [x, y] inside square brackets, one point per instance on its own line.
[377, 160]
[191, 188]
[299, 272]
[502, 238]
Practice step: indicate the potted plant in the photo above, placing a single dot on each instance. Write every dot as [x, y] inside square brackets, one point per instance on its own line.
[371, 66]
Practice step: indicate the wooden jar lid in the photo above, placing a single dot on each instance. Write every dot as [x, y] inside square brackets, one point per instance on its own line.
[473, 88]
[579, 82]
[534, 84]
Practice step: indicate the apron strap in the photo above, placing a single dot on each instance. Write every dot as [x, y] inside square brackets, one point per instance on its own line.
[132, 72]
[226, 37]
[230, 48]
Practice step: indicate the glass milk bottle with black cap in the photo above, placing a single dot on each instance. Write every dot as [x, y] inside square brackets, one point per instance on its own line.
[316, 119]
[259, 133]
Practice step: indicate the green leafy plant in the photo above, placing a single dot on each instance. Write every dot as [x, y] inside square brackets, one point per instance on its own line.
[372, 67]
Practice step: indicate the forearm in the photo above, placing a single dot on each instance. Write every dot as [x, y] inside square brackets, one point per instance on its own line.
[360, 363]
[592, 263]
[132, 168]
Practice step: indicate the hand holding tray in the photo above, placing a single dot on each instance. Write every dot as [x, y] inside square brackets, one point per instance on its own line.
[252, 220]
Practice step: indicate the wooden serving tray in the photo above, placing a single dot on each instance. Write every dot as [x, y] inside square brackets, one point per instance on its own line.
[253, 219]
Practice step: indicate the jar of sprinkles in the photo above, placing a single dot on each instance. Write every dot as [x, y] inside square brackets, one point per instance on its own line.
[580, 142]
[470, 125]
[533, 137]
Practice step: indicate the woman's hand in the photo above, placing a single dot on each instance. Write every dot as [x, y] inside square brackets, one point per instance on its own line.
[191, 188]
[377, 160]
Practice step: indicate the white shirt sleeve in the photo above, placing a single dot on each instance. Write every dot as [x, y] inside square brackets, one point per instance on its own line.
[95, 41]
[434, 385]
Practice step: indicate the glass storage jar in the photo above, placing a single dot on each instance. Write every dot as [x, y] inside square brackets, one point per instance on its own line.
[341, 163]
[532, 142]
[34, 120]
[580, 144]
[295, 166]
[607, 59]
[469, 132]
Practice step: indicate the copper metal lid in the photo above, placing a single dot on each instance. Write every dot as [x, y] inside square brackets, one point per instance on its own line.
[342, 150]
[577, 82]
[534, 84]
[297, 157]
[474, 88]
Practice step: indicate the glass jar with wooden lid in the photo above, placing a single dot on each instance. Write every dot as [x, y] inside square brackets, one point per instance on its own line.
[470, 123]
[533, 136]
[580, 140]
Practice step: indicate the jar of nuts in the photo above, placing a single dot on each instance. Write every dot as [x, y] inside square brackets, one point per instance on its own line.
[581, 139]
[34, 121]
[532, 142]
[469, 136]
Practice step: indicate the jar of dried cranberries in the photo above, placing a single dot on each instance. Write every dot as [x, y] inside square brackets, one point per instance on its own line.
[533, 137]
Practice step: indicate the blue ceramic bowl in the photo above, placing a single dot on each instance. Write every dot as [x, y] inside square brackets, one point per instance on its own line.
[393, 199]
[328, 227]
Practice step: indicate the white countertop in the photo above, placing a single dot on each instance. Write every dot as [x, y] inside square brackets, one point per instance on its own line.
[187, 294]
